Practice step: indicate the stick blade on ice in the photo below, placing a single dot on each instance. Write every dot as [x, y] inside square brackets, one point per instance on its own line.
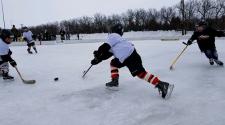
[29, 81]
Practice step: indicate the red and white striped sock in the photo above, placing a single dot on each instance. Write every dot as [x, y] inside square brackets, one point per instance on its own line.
[149, 78]
[114, 72]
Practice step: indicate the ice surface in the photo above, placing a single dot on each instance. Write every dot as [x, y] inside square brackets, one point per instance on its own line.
[198, 97]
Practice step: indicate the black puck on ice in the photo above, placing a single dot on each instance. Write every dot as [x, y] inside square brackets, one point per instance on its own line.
[56, 79]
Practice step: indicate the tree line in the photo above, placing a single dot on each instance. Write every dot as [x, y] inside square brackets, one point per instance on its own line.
[167, 18]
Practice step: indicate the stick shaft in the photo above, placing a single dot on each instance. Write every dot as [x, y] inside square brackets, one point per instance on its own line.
[179, 56]
[19, 73]
[87, 71]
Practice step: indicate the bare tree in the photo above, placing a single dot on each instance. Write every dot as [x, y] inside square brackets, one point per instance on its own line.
[167, 14]
[114, 19]
[100, 23]
[168, 18]
[205, 9]
[190, 9]
[219, 6]
[130, 19]
[153, 19]
[140, 19]
[86, 24]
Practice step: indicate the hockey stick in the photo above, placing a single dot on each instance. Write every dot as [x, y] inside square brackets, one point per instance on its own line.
[86, 71]
[24, 81]
[172, 65]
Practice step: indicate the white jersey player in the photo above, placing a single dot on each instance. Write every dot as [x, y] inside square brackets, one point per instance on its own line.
[125, 55]
[28, 37]
[5, 55]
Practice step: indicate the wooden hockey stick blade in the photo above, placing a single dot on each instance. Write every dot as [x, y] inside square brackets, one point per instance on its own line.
[24, 81]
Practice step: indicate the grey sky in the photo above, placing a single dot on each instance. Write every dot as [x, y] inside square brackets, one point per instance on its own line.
[35, 12]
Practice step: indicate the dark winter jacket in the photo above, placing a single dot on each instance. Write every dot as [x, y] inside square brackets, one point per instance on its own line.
[208, 42]
[15, 32]
[62, 32]
[6, 58]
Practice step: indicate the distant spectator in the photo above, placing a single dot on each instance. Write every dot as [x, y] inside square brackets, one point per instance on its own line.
[40, 37]
[78, 36]
[62, 34]
[67, 35]
[15, 33]
[53, 37]
[46, 35]
[28, 37]
[34, 36]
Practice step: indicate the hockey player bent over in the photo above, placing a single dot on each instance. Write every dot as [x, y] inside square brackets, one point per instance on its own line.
[205, 37]
[126, 55]
[5, 55]
[27, 36]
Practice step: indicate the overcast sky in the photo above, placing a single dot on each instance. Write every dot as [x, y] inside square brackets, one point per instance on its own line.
[35, 12]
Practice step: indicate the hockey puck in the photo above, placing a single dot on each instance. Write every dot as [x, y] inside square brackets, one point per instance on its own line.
[56, 79]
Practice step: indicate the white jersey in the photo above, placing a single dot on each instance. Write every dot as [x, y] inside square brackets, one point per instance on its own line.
[120, 47]
[28, 35]
[4, 48]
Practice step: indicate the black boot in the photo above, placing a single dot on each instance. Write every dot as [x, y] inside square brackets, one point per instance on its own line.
[165, 89]
[113, 83]
[7, 77]
[35, 49]
[30, 52]
[218, 62]
[211, 62]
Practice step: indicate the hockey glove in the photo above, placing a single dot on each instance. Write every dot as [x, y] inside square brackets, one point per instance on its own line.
[95, 61]
[189, 42]
[25, 39]
[13, 63]
[10, 52]
[96, 54]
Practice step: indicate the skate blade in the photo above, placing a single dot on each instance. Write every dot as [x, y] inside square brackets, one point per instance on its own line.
[169, 92]
[112, 88]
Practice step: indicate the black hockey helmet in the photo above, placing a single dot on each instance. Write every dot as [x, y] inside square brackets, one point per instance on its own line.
[5, 34]
[117, 28]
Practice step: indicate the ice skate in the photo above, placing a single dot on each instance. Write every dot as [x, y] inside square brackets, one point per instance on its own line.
[29, 51]
[7, 77]
[165, 89]
[211, 62]
[113, 85]
[35, 50]
[218, 62]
